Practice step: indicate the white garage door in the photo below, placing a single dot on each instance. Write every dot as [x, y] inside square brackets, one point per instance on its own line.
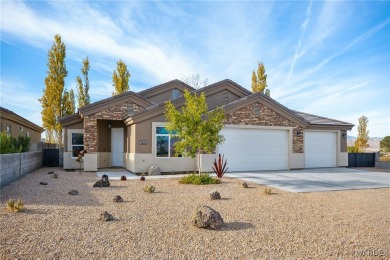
[320, 149]
[254, 149]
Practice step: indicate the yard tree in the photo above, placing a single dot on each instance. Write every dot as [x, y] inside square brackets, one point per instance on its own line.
[53, 94]
[361, 142]
[195, 81]
[259, 80]
[68, 103]
[83, 98]
[120, 78]
[385, 144]
[196, 129]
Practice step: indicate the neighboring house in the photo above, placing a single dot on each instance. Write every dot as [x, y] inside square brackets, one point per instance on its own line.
[128, 131]
[15, 125]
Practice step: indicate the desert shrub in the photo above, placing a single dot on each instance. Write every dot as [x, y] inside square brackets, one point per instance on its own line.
[268, 191]
[9, 144]
[149, 188]
[14, 206]
[219, 167]
[202, 179]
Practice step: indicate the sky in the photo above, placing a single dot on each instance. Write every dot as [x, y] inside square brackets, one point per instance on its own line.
[328, 58]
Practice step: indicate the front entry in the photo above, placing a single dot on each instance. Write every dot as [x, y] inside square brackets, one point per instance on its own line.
[117, 140]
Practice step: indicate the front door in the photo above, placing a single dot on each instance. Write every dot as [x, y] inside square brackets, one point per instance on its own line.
[117, 146]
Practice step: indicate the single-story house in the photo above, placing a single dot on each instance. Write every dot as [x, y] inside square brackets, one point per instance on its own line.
[128, 131]
[15, 125]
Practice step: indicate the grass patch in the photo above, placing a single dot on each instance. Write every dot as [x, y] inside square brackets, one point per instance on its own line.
[197, 179]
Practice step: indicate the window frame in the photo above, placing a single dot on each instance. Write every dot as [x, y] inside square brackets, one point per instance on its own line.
[175, 93]
[155, 136]
[70, 140]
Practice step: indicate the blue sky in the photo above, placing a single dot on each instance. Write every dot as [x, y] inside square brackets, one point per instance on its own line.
[330, 58]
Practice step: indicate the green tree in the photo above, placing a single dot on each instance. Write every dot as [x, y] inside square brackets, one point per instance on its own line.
[259, 80]
[83, 97]
[385, 144]
[53, 93]
[120, 78]
[361, 142]
[9, 144]
[195, 127]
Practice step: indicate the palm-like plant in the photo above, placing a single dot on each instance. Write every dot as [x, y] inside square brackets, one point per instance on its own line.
[220, 166]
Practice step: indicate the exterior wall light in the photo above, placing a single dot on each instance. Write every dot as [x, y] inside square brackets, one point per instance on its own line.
[109, 124]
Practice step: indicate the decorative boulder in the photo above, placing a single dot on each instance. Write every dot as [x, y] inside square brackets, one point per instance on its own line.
[102, 183]
[206, 217]
[123, 178]
[244, 185]
[142, 178]
[215, 195]
[117, 198]
[105, 177]
[43, 183]
[154, 170]
[73, 192]
[51, 172]
[105, 216]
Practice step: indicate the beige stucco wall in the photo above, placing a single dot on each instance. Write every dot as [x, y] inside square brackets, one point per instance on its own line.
[70, 163]
[35, 136]
[140, 162]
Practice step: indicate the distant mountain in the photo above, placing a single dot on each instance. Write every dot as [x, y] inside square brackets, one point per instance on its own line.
[373, 143]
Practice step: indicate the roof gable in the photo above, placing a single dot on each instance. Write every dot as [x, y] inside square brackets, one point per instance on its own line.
[113, 101]
[163, 88]
[158, 109]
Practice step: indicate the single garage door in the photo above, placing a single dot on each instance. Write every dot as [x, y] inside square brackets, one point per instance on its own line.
[320, 149]
[254, 149]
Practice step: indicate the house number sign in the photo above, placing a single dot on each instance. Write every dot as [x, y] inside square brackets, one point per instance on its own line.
[143, 142]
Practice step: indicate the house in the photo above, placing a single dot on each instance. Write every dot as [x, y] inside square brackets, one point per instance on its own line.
[15, 125]
[128, 131]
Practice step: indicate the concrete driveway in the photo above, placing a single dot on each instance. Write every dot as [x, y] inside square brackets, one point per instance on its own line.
[323, 179]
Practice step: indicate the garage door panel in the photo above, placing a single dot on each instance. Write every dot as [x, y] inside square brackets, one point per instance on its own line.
[254, 149]
[320, 149]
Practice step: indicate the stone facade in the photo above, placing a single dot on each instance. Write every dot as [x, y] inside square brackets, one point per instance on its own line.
[118, 112]
[259, 114]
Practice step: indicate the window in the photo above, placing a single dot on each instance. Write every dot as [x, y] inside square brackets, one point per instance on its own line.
[27, 134]
[8, 130]
[77, 143]
[165, 143]
[175, 93]
[21, 128]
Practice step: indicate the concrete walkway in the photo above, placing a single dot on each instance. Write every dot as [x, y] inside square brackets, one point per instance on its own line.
[305, 180]
[323, 179]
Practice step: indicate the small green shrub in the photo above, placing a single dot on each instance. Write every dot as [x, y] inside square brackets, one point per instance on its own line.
[149, 188]
[202, 179]
[268, 191]
[9, 144]
[15, 206]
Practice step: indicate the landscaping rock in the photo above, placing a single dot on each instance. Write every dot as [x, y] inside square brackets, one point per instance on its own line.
[142, 178]
[74, 192]
[123, 178]
[51, 172]
[117, 198]
[105, 177]
[215, 195]
[102, 183]
[43, 183]
[154, 170]
[105, 216]
[244, 185]
[206, 217]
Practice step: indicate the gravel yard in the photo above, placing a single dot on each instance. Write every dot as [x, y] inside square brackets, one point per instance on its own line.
[56, 225]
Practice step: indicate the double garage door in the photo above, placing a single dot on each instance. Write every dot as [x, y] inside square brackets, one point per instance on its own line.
[254, 149]
[248, 149]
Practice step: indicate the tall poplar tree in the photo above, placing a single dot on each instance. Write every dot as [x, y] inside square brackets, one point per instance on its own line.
[120, 78]
[83, 97]
[259, 80]
[56, 101]
[361, 142]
